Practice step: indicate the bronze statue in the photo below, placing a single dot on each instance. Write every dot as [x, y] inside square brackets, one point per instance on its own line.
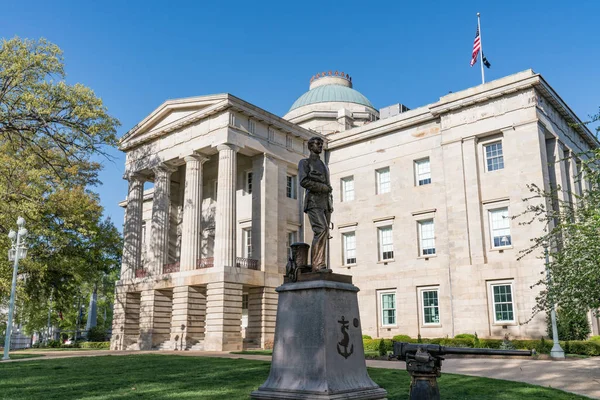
[318, 201]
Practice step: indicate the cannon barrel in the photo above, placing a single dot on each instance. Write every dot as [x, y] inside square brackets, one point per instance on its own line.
[401, 349]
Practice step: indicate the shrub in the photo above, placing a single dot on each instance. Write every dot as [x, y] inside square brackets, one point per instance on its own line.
[570, 326]
[366, 337]
[96, 334]
[53, 344]
[95, 345]
[464, 336]
[476, 340]
[382, 349]
[373, 344]
[490, 343]
[419, 340]
[586, 348]
[506, 344]
[402, 338]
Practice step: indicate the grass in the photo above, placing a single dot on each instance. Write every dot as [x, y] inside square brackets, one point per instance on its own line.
[17, 356]
[254, 352]
[180, 377]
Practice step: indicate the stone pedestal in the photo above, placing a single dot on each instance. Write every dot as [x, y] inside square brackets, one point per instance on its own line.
[318, 351]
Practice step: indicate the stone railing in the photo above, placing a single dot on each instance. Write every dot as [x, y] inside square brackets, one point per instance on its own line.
[207, 262]
[249, 263]
[170, 268]
[140, 273]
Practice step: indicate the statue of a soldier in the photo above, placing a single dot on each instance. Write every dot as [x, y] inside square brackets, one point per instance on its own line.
[318, 201]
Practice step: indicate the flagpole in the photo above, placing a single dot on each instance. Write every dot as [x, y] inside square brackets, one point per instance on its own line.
[480, 48]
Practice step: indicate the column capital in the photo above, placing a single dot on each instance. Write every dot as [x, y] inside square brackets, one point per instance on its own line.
[163, 168]
[134, 176]
[228, 146]
[196, 157]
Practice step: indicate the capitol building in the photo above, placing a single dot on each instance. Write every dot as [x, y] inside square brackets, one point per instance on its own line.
[423, 199]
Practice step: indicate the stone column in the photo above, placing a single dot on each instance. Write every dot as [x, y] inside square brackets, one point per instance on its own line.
[189, 312]
[159, 238]
[132, 231]
[225, 220]
[223, 316]
[262, 313]
[473, 201]
[191, 232]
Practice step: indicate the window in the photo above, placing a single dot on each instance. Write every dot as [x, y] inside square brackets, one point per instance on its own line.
[251, 126]
[431, 308]
[249, 176]
[388, 309]
[494, 157]
[290, 190]
[247, 242]
[386, 244]
[427, 237]
[500, 227]
[215, 189]
[503, 303]
[422, 172]
[383, 180]
[289, 141]
[348, 188]
[349, 248]
[271, 135]
[292, 237]
[244, 301]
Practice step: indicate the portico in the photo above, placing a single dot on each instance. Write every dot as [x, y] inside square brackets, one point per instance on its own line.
[218, 168]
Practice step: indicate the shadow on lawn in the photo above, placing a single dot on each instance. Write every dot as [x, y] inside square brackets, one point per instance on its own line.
[179, 377]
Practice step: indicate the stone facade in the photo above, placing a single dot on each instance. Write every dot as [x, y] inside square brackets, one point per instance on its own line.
[421, 203]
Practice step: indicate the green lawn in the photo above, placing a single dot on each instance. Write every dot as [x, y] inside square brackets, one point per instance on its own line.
[17, 356]
[181, 377]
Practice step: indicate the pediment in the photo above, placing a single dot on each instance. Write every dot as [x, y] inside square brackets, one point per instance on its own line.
[171, 115]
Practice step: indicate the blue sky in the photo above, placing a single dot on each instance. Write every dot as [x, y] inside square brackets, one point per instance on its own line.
[136, 54]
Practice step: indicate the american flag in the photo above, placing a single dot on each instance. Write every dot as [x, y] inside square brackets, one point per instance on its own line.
[476, 48]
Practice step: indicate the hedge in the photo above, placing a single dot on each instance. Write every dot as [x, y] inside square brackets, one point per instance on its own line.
[95, 345]
[581, 347]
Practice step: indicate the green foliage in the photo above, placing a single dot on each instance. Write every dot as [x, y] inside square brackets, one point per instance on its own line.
[402, 338]
[382, 348]
[50, 132]
[595, 338]
[53, 344]
[464, 336]
[372, 345]
[95, 345]
[507, 344]
[366, 337]
[571, 326]
[476, 340]
[419, 339]
[570, 222]
[96, 334]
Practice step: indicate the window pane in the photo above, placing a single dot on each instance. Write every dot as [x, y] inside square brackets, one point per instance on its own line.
[386, 246]
[500, 227]
[431, 310]
[494, 156]
[383, 180]
[423, 171]
[388, 308]
[427, 233]
[348, 188]
[349, 243]
[503, 306]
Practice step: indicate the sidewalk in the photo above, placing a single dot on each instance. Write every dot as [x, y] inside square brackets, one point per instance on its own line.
[581, 376]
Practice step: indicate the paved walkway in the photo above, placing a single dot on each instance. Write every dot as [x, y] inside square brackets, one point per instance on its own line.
[581, 376]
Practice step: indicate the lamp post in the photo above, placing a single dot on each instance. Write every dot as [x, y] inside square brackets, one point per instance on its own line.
[557, 351]
[17, 251]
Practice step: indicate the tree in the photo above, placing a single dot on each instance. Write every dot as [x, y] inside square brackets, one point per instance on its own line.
[572, 237]
[49, 132]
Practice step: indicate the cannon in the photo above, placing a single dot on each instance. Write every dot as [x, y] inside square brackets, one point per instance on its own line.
[424, 364]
